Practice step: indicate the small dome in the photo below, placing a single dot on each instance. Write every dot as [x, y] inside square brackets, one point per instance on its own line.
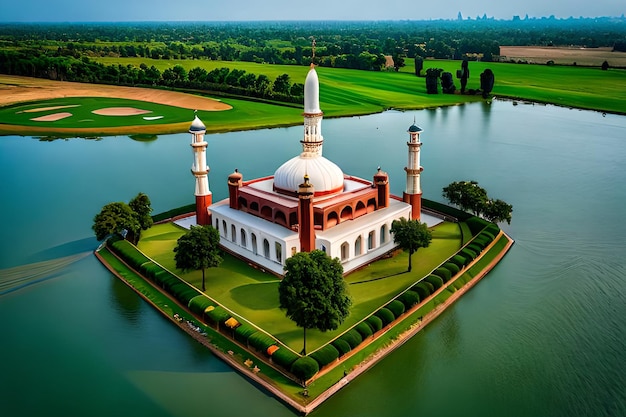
[312, 93]
[414, 128]
[197, 125]
[324, 175]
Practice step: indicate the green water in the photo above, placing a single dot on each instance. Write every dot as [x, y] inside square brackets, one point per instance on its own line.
[543, 335]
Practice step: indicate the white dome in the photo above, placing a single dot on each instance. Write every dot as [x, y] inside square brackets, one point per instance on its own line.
[312, 93]
[197, 125]
[324, 175]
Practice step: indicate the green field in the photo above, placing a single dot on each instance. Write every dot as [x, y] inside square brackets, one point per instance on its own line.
[346, 92]
[251, 294]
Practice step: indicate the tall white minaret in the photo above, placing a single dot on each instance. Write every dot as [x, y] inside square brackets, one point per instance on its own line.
[313, 139]
[413, 192]
[200, 170]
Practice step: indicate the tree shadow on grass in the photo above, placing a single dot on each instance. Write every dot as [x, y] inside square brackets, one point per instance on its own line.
[378, 278]
[263, 296]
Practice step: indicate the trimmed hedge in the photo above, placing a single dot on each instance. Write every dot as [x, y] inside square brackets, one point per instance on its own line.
[304, 368]
[218, 315]
[474, 247]
[443, 273]
[130, 253]
[435, 280]
[409, 298]
[476, 224]
[468, 254]
[442, 208]
[453, 268]
[364, 330]
[243, 332]
[261, 341]
[459, 261]
[423, 290]
[342, 346]
[325, 355]
[385, 315]
[396, 307]
[352, 337]
[375, 323]
[199, 304]
[284, 357]
[151, 269]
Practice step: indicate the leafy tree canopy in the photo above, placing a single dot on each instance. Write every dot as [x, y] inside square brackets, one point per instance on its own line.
[313, 292]
[115, 218]
[469, 196]
[142, 207]
[198, 249]
[411, 235]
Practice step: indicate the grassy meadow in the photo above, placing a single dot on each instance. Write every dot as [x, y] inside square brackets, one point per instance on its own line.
[345, 92]
[253, 295]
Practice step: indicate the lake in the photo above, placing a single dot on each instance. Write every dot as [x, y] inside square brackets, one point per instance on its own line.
[544, 334]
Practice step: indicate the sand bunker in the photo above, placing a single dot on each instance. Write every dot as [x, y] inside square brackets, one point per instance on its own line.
[52, 117]
[40, 109]
[120, 111]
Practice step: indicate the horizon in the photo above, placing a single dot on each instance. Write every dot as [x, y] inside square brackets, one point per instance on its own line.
[117, 11]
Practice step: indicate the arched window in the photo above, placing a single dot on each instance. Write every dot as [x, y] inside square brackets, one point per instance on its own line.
[346, 213]
[383, 234]
[254, 248]
[233, 233]
[345, 251]
[224, 228]
[243, 242]
[266, 248]
[279, 217]
[357, 246]
[279, 252]
[370, 240]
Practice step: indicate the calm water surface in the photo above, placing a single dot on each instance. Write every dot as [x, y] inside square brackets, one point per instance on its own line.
[543, 335]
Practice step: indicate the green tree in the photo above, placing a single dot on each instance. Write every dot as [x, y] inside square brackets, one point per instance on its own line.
[142, 207]
[467, 195]
[411, 235]
[313, 292]
[115, 218]
[281, 84]
[497, 211]
[198, 249]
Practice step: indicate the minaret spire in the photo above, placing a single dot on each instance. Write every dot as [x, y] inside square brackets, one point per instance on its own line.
[413, 192]
[200, 170]
[313, 139]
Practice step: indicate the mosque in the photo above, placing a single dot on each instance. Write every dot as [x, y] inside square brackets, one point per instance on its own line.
[309, 203]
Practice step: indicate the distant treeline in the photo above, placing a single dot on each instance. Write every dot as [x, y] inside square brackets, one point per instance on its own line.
[224, 80]
[358, 45]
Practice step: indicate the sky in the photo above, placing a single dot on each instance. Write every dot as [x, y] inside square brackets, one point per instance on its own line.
[242, 10]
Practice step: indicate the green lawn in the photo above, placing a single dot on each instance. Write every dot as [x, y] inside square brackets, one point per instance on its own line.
[253, 295]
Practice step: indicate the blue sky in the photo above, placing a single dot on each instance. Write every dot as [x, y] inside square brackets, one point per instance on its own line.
[229, 10]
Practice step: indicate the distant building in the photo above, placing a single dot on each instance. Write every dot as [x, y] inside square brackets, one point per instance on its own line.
[309, 203]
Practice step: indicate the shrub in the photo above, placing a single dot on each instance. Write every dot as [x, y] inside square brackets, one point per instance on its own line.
[409, 298]
[284, 357]
[436, 281]
[396, 307]
[443, 273]
[243, 332]
[325, 355]
[493, 229]
[130, 253]
[422, 290]
[474, 247]
[452, 268]
[469, 254]
[375, 323]
[385, 315]
[487, 234]
[476, 224]
[261, 341]
[459, 261]
[199, 303]
[352, 337]
[150, 269]
[305, 368]
[364, 330]
[342, 346]
[218, 315]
